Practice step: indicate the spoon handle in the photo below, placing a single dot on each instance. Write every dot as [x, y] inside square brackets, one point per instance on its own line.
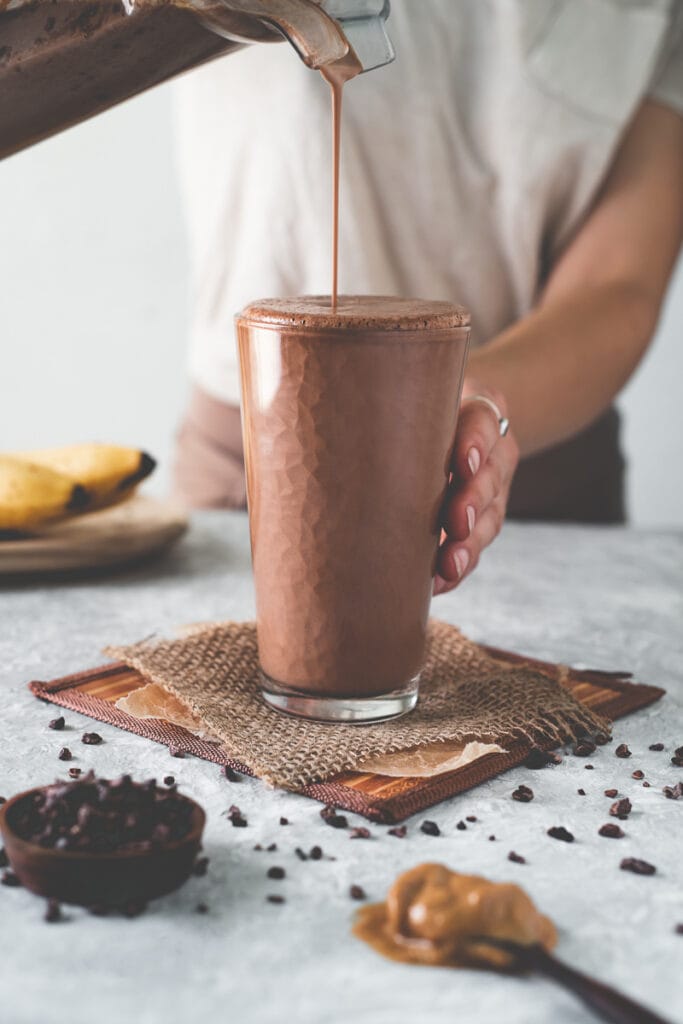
[602, 999]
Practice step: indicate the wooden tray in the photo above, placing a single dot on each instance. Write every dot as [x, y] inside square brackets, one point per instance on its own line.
[378, 797]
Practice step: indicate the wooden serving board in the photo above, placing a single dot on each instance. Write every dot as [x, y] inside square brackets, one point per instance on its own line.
[109, 538]
[378, 797]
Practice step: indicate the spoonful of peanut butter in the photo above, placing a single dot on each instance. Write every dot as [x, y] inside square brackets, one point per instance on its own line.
[435, 916]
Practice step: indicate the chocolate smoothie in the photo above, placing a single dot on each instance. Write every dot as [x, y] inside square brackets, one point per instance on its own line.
[349, 417]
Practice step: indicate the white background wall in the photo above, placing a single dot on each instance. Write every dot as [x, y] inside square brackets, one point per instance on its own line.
[94, 305]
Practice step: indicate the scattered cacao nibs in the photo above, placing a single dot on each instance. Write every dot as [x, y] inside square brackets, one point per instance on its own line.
[65, 754]
[611, 831]
[621, 808]
[622, 751]
[356, 892]
[656, 746]
[134, 908]
[271, 848]
[523, 794]
[637, 774]
[677, 759]
[4, 859]
[258, 847]
[611, 793]
[646, 785]
[300, 853]
[516, 858]
[276, 872]
[461, 826]
[102, 815]
[589, 767]
[91, 739]
[169, 780]
[581, 792]
[638, 867]
[583, 748]
[399, 831]
[230, 774]
[57, 723]
[673, 792]
[273, 897]
[75, 773]
[202, 908]
[284, 821]
[360, 833]
[537, 758]
[430, 828]
[315, 853]
[236, 818]
[470, 817]
[176, 752]
[679, 929]
[492, 839]
[560, 832]
[331, 818]
[10, 879]
[201, 866]
[53, 912]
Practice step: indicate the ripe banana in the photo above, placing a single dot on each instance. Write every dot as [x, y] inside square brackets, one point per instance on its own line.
[108, 471]
[31, 495]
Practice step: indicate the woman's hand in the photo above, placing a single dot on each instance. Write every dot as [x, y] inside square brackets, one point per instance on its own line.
[483, 465]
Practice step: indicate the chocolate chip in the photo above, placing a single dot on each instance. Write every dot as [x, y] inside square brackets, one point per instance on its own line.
[622, 751]
[65, 754]
[470, 817]
[589, 767]
[611, 793]
[271, 848]
[300, 853]
[400, 831]
[492, 839]
[637, 774]
[560, 832]
[611, 831]
[331, 818]
[169, 780]
[621, 808]
[91, 739]
[356, 892]
[75, 773]
[537, 758]
[583, 748]
[4, 859]
[237, 819]
[274, 898]
[523, 794]
[677, 759]
[461, 826]
[638, 867]
[176, 752]
[202, 908]
[53, 911]
[516, 858]
[230, 774]
[360, 833]
[57, 723]
[430, 828]
[646, 785]
[581, 792]
[673, 792]
[10, 879]
[284, 821]
[656, 746]
[276, 872]
[200, 867]
[315, 853]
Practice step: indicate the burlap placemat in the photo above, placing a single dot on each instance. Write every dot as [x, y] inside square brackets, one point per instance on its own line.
[465, 694]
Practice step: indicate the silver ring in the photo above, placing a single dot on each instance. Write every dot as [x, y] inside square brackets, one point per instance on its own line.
[503, 421]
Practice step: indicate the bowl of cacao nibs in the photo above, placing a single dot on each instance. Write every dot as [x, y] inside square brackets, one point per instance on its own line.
[105, 843]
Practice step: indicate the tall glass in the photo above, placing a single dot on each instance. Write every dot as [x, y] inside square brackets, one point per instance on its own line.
[348, 419]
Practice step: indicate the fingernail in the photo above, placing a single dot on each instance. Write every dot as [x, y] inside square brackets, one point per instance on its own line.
[461, 560]
[473, 460]
[439, 585]
[471, 517]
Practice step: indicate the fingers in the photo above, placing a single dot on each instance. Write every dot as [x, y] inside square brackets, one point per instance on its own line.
[458, 558]
[467, 501]
[477, 434]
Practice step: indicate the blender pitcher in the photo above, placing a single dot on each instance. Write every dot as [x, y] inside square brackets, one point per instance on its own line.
[62, 61]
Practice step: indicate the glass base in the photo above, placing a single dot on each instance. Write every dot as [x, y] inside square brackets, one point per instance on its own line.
[353, 710]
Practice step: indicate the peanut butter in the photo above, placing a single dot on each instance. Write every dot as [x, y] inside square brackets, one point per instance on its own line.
[432, 915]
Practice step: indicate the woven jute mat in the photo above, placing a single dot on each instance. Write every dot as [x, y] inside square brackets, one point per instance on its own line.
[465, 694]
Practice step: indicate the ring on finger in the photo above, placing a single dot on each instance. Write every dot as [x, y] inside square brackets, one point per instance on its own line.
[503, 421]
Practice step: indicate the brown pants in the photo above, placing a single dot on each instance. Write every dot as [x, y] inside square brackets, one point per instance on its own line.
[581, 480]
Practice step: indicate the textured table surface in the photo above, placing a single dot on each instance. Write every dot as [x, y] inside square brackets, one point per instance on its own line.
[599, 598]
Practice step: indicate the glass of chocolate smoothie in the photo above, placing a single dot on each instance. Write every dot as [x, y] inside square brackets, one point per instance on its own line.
[349, 417]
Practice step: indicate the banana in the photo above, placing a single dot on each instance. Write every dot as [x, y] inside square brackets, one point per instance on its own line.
[31, 495]
[107, 471]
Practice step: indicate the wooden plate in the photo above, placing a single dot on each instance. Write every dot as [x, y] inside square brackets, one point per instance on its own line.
[138, 527]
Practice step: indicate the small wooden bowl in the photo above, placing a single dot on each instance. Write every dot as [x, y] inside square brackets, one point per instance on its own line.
[109, 880]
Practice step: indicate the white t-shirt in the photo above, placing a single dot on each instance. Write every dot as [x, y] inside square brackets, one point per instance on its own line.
[466, 164]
